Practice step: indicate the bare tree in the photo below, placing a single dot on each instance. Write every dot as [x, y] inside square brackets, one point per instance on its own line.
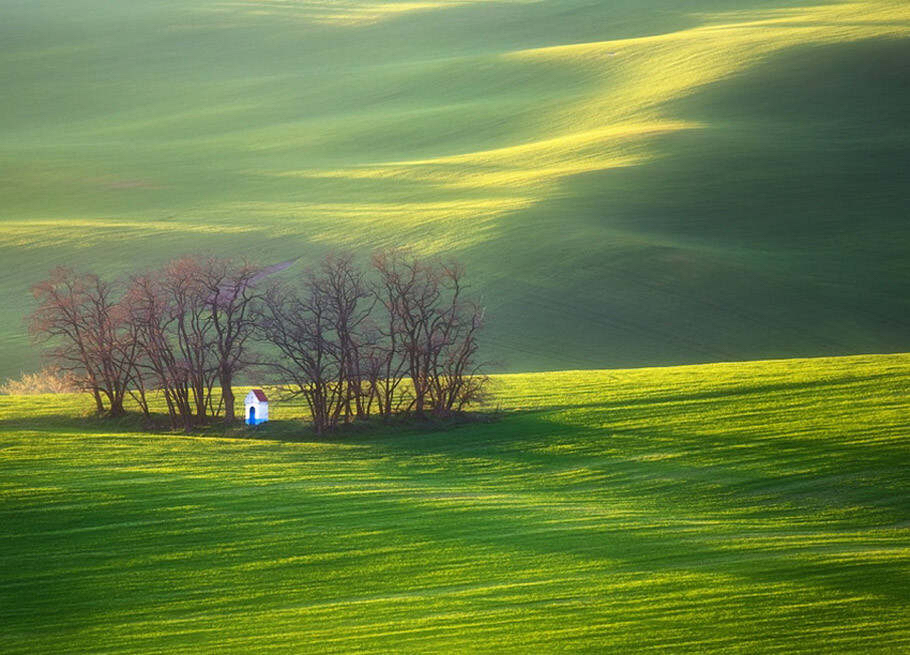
[84, 320]
[231, 298]
[327, 341]
[153, 316]
[299, 326]
[171, 313]
[342, 290]
[456, 377]
[389, 358]
[432, 328]
[187, 296]
[409, 290]
[61, 319]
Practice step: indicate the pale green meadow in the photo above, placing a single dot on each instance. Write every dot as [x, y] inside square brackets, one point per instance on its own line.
[628, 182]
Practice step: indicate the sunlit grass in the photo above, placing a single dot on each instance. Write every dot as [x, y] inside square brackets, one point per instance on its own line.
[731, 507]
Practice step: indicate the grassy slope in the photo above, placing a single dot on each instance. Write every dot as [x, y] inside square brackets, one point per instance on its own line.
[723, 508]
[630, 182]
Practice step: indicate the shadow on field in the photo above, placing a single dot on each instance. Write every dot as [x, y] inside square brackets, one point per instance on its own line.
[775, 229]
[759, 504]
[719, 485]
[295, 430]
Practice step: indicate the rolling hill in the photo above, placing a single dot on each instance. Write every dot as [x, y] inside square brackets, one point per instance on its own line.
[751, 507]
[629, 183]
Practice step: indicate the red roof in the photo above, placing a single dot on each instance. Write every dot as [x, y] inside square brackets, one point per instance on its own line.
[260, 395]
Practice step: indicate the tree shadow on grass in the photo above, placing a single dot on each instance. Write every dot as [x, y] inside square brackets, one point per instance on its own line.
[636, 515]
[662, 497]
[293, 430]
[490, 487]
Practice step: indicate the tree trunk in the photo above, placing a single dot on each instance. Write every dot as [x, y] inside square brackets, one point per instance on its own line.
[99, 404]
[227, 395]
[117, 406]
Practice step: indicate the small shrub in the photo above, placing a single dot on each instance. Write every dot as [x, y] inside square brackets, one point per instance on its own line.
[48, 380]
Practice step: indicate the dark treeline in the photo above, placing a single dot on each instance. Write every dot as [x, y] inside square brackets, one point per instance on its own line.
[399, 337]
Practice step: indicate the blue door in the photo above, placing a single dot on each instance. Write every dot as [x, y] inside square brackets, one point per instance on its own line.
[252, 419]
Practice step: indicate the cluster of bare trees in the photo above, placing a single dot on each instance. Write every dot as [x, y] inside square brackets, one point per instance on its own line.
[180, 331]
[80, 315]
[399, 339]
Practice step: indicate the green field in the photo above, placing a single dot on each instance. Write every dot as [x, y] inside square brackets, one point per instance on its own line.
[630, 182]
[752, 507]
